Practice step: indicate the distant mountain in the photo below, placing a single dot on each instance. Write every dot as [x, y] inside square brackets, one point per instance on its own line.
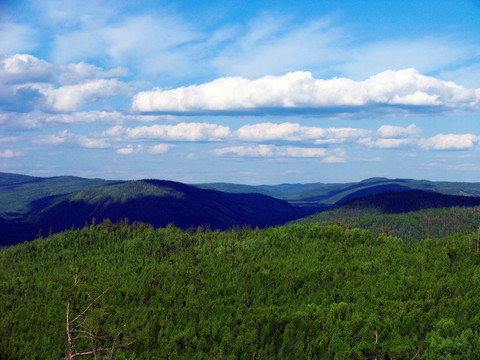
[21, 193]
[327, 195]
[283, 191]
[390, 202]
[156, 202]
[28, 203]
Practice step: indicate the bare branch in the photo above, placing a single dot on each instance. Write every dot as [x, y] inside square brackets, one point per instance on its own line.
[82, 327]
[91, 352]
[90, 305]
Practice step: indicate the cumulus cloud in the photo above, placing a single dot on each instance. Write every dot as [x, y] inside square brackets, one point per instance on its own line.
[404, 91]
[7, 153]
[273, 151]
[28, 83]
[52, 139]
[385, 143]
[392, 137]
[73, 97]
[37, 119]
[295, 132]
[24, 68]
[91, 143]
[66, 137]
[178, 132]
[390, 131]
[79, 72]
[129, 150]
[160, 148]
[450, 142]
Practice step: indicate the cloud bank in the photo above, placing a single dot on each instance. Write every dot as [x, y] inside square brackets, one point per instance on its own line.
[28, 84]
[403, 91]
[273, 151]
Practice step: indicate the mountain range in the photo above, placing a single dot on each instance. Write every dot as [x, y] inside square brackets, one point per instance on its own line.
[30, 206]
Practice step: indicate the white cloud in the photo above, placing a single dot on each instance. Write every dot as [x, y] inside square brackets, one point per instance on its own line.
[385, 143]
[74, 97]
[24, 68]
[296, 132]
[125, 151]
[450, 142]
[402, 91]
[52, 139]
[37, 119]
[390, 131]
[79, 72]
[28, 83]
[269, 131]
[66, 137]
[271, 151]
[129, 150]
[160, 148]
[91, 143]
[83, 117]
[178, 132]
[7, 153]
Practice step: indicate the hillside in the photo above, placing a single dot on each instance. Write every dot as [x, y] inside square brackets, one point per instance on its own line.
[392, 202]
[327, 195]
[155, 202]
[411, 215]
[32, 206]
[298, 292]
[21, 193]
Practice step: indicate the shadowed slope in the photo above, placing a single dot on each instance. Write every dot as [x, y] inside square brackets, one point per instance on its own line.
[159, 203]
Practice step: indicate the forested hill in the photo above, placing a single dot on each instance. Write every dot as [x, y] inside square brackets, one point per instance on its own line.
[330, 194]
[410, 215]
[395, 202]
[151, 201]
[30, 204]
[296, 292]
[21, 193]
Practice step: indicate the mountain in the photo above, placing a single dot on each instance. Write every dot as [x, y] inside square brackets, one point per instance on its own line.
[327, 195]
[28, 204]
[21, 193]
[391, 202]
[156, 202]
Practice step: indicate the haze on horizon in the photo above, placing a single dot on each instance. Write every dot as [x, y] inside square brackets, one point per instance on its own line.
[253, 93]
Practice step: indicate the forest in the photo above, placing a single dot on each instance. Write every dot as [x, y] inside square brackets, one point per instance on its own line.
[300, 291]
[410, 226]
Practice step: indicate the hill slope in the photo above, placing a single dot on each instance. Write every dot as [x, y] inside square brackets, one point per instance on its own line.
[411, 215]
[329, 194]
[158, 203]
[21, 193]
[392, 202]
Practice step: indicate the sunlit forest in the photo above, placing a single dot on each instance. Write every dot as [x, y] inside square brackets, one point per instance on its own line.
[290, 292]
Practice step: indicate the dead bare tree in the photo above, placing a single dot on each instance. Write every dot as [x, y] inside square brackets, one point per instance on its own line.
[88, 327]
[478, 239]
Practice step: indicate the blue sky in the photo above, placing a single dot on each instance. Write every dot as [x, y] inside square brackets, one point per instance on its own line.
[262, 92]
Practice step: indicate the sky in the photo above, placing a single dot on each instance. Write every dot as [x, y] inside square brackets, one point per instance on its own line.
[251, 92]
